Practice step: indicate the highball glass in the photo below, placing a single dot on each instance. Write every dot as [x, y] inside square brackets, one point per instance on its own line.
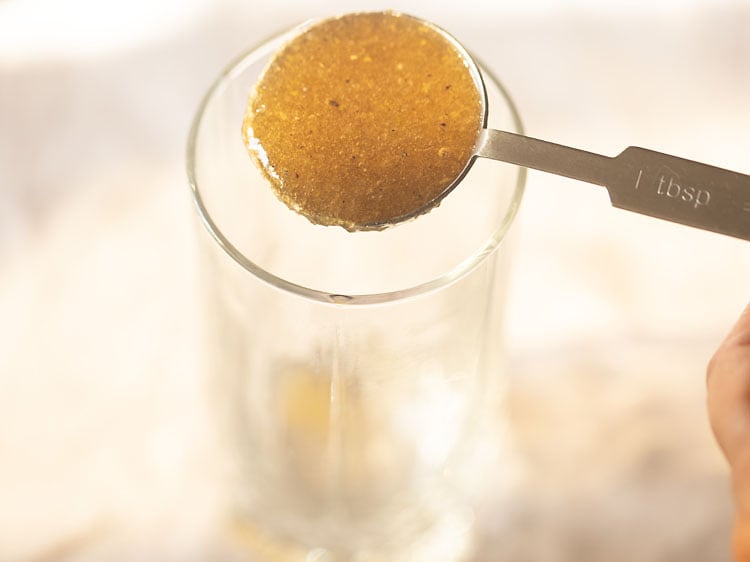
[354, 375]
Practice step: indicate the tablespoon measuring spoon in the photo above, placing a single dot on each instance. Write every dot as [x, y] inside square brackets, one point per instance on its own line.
[341, 148]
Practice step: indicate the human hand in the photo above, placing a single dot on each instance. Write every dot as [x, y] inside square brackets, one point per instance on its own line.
[728, 381]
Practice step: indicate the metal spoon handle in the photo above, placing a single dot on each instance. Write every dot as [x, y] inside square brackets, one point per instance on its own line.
[639, 180]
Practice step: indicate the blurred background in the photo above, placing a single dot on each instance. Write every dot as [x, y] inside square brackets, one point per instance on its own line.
[104, 452]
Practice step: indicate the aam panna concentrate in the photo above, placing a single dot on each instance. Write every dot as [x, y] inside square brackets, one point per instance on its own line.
[365, 119]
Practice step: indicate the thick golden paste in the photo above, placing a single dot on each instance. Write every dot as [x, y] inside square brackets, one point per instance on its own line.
[364, 119]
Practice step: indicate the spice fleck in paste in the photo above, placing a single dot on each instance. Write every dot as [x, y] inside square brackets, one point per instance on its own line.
[364, 119]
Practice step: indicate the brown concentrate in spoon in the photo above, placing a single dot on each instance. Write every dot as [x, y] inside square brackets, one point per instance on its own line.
[364, 120]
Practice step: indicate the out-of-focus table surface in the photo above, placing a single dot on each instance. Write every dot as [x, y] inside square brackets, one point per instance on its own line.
[612, 316]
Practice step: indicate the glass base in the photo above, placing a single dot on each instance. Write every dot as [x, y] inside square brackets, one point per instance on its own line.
[450, 539]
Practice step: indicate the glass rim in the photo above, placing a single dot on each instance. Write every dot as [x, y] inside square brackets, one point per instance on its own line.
[462, 268]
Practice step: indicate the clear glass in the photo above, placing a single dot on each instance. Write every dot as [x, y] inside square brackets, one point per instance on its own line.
[351, 371]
